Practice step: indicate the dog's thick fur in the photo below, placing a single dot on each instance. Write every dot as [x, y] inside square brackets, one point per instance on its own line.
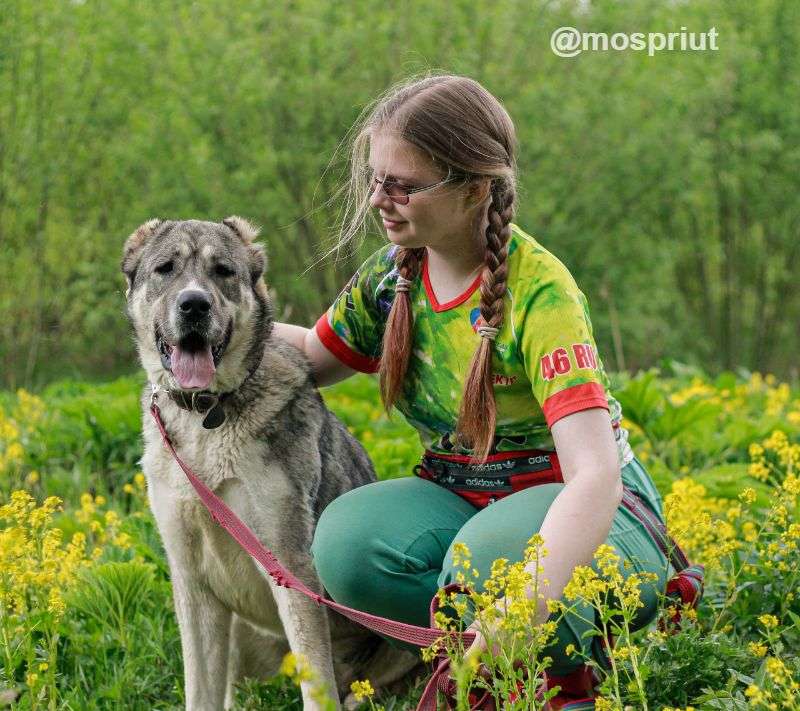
[277, 460]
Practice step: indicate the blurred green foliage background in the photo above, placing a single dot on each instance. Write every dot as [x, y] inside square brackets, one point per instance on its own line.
[667, 184]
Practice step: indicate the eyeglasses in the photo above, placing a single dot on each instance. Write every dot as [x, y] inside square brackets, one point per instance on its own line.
[399, 193]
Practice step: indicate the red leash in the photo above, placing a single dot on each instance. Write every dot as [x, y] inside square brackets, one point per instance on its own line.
[222, 514]
[688, 583]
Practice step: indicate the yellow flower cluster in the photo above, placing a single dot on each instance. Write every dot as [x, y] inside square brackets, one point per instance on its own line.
[769, 621]
[16, 428]
[600, 590]
[742, 540]
[779, 691]
[793, 416]
[777, 541]
[759, 470]
[781, 676]
[697, 388]
[37, 570]
[777, 399]
[773, 397]
[138, 487]
[586, 584]
[509, 583]
[362, 690]
[103, 525]
[296, 667]
[35, 567]
[695, 521]
[772, 455]
[505, 612]
[757, 648]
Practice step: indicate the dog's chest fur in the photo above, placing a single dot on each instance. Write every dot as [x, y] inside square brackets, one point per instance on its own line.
[224, 459]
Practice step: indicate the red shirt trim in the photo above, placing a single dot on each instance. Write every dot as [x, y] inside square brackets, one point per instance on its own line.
[574, 399]
[331, 340]
[426, 280]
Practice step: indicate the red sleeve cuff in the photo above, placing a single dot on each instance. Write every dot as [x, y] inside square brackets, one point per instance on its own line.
[574, 399]
[331, 341]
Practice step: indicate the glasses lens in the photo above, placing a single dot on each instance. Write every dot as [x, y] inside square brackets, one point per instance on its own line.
[396, 192]
[393, 190]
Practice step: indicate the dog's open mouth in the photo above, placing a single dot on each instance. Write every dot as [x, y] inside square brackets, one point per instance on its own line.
[193, 361]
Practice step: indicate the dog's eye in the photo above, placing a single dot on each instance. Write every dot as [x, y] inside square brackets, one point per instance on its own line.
[164, 268]
[224, 271]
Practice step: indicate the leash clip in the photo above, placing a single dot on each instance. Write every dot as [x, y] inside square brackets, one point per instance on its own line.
[156, 388]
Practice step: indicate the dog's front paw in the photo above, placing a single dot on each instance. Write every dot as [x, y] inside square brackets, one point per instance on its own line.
[350, 703]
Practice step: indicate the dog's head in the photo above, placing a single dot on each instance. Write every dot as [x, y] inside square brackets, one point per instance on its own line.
[197, 301]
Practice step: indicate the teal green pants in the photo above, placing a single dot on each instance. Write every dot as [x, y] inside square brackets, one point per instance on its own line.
[386, 548]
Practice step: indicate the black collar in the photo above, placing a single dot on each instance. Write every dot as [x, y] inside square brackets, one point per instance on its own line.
[203, 401]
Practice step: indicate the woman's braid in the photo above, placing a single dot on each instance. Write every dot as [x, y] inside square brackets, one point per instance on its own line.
[397, 337]
[478, 414]
[495, 272]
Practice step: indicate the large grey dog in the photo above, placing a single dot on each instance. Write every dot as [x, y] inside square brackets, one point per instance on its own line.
[241, 408]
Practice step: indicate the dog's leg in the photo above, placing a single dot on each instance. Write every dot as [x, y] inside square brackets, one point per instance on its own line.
[286, 526]
[306, 626]
[204, 622]
[204, 625]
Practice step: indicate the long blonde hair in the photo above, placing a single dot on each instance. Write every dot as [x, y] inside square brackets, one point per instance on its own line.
[465, 130]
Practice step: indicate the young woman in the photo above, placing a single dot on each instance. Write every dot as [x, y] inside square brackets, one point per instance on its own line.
[483, 341]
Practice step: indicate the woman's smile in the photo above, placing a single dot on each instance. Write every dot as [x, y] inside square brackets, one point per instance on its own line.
[392, 224]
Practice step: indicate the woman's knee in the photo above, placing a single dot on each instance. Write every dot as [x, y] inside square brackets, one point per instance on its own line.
[385, 540]
[501, 530]
[341, 534]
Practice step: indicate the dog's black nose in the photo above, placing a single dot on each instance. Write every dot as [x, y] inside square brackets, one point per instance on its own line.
[194, 305]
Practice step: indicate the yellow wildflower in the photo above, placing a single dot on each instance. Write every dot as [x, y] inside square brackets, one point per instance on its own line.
[748, 495]
[769, 621]
[755, 694]
[362, 690]
[296, 667]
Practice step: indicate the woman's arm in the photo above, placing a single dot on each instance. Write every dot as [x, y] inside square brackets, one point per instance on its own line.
[580, 517]
[326, 368]
[296, 335]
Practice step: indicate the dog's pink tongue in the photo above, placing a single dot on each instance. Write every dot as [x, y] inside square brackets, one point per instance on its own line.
[192, 370]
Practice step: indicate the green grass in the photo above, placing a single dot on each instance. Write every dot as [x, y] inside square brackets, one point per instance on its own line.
[118, 643]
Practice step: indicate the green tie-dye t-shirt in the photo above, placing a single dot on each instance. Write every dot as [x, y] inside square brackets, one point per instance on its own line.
[545, 361]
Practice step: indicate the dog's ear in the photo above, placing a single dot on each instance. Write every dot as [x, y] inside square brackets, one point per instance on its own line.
[134, 245]
[246, 231]
[257, 262]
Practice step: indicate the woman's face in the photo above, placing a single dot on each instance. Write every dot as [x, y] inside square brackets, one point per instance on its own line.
[440, 217]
